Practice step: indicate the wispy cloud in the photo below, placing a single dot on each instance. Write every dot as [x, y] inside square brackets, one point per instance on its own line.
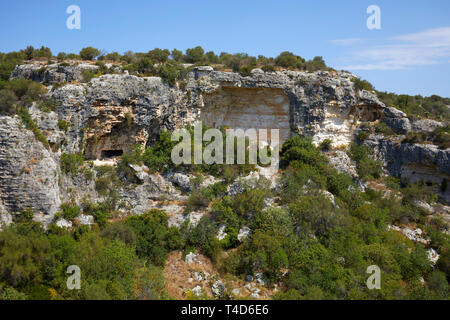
[346, 42]
[410, 50]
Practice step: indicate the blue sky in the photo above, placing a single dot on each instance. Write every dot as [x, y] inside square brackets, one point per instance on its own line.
[409, 54]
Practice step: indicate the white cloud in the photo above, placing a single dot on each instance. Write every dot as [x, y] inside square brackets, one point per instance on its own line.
[410, 50]
[346, 42]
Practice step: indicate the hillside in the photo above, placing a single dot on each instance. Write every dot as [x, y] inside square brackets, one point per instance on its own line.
[87, 178]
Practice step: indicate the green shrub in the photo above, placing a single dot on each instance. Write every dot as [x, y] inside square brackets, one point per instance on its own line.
[262, 253]
[114, 56]
[316, 64]
[439, 136]
[289, 60]
[268, 68]
[325, 145]
[47, 104]
[61, 56]
[151, 230]
[303, 150]
[123, 166]
[30, 124]
[158, 157]
[63, 125]
[7, 101]
[69, 211]
[100, 211]
[89, 53]
[194, 55]
[71, 162]
[43, 52]
[314, 214]
[368, 168]
[120, 231]
[383, 128]
[362, 84]
[362, 136]
[87, 75]
[434, 107]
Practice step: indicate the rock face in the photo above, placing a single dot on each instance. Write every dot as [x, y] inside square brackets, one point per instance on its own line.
[52, 73]
[29, 172]
[118, 111]
[111, 114]
[426, 125]
[397, 120]
[414, 162]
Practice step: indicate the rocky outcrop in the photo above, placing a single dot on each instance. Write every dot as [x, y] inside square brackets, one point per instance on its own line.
[397, 120]
[29, 173]
[412, 162]
[117, 111]
[111, 114]
[426, 125]
[52, 73]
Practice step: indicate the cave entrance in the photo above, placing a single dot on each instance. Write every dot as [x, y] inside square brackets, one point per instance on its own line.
[107, 154]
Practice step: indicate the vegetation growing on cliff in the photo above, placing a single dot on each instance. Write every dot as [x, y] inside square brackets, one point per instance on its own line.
[317, 245]
[418, 107]
[157, 158]
[439, 137]
[315, 238]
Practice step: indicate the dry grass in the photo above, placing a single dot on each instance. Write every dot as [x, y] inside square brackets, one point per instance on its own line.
[179, 279]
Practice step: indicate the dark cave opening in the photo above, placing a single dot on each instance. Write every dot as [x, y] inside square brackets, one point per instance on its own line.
[111, 153]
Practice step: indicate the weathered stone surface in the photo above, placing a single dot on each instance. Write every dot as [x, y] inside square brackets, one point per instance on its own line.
[63, 223]
[392, 112]
[86, 220]
[426, 125]
[342, 162]
[5, 217]
[415, 162]
[398, 125]
[52, 73]
[183, 181]
[218, 288]
[320, 104]
[244, 232]
[29, 173]
[109, 115]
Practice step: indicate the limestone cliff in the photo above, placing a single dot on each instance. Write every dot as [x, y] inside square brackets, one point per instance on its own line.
[110, 114]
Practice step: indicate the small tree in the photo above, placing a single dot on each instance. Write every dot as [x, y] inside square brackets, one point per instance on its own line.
[61, 56]
[159, 55]
[89, 53]
[176, 55]
[29, 52]
[194, 55]
[114, 56]
[43, 52]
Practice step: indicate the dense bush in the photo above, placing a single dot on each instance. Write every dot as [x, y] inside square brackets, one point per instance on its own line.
[70, 162]
[153, 237]
[434, 107]
[89, 53]
[368, 168]
[439, 136]
[362, 84]
[17, 93]
[69, 211]
[33, 265]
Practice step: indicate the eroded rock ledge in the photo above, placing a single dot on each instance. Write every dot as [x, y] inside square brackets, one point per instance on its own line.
[109, 115]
